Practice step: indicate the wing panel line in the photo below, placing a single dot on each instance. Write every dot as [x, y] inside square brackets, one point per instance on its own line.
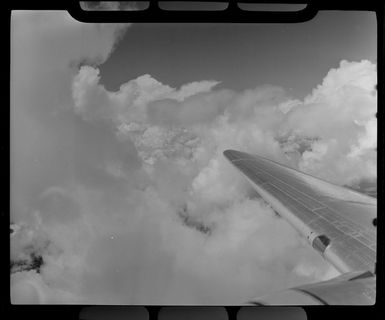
[324, 205]
[331, 226]
[319, 217]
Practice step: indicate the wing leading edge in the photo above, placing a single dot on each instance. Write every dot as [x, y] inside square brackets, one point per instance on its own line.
[337, 222]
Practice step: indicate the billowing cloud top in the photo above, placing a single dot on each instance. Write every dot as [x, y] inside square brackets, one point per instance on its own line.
[124, 197]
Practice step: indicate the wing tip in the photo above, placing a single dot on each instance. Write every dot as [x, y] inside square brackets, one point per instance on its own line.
[231, 154]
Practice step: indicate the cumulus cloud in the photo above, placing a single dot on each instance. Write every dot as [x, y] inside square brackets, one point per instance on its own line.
[344, 106]
[127, 198]
[46, 48]
[129, 104]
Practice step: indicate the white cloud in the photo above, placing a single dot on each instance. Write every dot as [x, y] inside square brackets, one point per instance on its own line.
[46, 47]
[193, 88]
[340, 113]
[129, 104]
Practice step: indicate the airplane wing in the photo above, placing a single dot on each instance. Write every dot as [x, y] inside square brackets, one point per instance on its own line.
[337, 222]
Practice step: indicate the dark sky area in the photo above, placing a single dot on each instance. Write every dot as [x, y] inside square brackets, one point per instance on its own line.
[294, 56]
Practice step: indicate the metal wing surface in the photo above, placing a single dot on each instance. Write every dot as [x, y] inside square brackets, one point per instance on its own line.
[338, 222]
[353, 288]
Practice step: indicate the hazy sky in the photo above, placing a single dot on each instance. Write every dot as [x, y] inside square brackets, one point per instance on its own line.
[120, 193]
[294, 56]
